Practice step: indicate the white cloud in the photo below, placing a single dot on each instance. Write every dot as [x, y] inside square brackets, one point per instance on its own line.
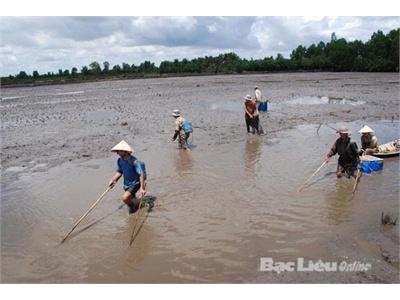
[49, 43]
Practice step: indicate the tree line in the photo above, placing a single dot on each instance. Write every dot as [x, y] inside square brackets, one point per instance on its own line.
[379, 54]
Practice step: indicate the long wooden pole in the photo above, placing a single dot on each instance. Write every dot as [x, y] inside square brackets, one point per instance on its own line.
[327, 126]
[86, 213]
[136, 222]
[309, 178]
[356, 182]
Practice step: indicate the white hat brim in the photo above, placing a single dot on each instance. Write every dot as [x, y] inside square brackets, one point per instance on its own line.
[122, 146]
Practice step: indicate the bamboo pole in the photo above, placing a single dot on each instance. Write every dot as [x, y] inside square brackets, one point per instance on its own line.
[326, 126]
[333, 128]
[319, 128]
[86, 213]
[357, 180]
[359, 173]
[309, 178]
[133, 235]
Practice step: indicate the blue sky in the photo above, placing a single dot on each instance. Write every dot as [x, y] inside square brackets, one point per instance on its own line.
[49, 43]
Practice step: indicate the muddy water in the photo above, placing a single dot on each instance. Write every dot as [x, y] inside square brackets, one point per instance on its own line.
[219, 208]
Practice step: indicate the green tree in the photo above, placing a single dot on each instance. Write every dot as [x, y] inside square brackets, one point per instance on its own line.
[116, 69]
[85, 70]
[147, 67]
[341, 55]
[106, 67]
[134, 69]
[298, 53]
[95, 68]
[35, 74]
[393, 53]
[126, 68]
[22, 75]
[74, 71]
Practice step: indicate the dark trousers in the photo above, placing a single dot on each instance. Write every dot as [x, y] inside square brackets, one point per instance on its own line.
[254, 123]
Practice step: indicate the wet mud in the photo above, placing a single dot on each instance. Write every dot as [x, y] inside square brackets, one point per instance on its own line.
[221, 207]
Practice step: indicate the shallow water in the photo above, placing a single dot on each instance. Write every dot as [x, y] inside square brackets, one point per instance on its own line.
[219, 208]
[318, 100]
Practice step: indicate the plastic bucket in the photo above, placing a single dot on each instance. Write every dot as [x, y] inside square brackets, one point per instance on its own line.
[370, 166]
[263, 106]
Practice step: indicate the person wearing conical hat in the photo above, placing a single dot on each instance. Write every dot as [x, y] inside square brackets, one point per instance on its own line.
[348, 154]
[134, 175]
[369, 142]
[251, 115]
[183, 137]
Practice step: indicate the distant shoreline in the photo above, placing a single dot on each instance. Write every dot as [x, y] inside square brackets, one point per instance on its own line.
[35, 83]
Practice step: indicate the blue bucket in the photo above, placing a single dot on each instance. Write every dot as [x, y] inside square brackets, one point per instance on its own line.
[263, 106]
[371, 165]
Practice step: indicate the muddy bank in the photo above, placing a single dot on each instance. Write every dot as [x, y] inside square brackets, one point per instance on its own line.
[54, 124]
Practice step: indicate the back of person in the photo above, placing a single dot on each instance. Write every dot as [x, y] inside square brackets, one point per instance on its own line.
[179, 122]
[182, 129]
[258, 95]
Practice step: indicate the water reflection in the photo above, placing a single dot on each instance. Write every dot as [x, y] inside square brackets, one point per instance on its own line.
[252, 155]
[183, 162]
[143, 236]
[339, 201]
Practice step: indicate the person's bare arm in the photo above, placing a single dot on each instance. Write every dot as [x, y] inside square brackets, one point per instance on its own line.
[114, 179]
[142, 190]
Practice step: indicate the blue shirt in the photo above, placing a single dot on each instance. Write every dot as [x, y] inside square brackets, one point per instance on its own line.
[130, 169]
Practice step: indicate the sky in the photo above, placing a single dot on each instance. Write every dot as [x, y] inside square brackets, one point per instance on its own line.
[49, 43]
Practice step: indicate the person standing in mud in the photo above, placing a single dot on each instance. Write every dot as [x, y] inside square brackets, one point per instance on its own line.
[179, 133]
[369, 142]
[251, 114]
[258, 95]
[134, 175]
[348, 154]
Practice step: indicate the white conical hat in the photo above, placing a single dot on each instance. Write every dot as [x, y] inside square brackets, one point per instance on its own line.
[176, 113]
[123, 146]
[366, 129]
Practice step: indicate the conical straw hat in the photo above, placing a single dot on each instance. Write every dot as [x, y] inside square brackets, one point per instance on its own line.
[123, 146]
[366, 129]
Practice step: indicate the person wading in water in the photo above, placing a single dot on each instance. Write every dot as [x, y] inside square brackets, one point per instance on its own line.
[257, 94]
[251, 114]
[134, 175]
[179, 133]
[348, 154]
